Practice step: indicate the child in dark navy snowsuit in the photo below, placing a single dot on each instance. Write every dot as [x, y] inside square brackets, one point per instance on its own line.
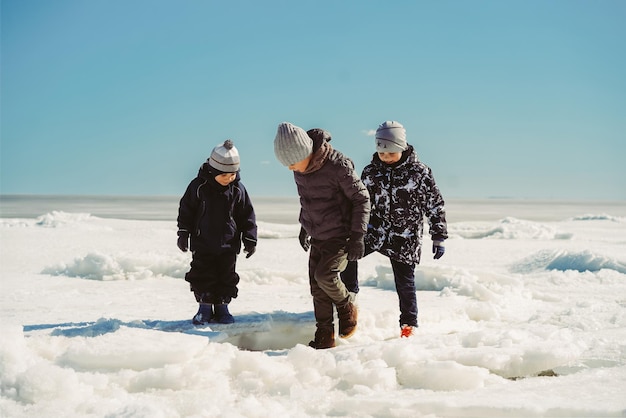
[217, 214]
[402, 192]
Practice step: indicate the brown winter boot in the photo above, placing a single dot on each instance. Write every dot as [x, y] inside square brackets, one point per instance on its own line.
[324, 338]
[347, 315]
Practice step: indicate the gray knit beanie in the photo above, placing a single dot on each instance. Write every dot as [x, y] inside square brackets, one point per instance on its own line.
[391, 137]
[225, 157]
[292, 144]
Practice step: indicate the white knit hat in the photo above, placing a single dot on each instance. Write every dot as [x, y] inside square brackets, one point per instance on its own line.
[292, 144]
[391, 137]
[225, 157]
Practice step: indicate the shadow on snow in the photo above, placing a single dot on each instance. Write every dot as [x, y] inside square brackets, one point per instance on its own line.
[254, 331]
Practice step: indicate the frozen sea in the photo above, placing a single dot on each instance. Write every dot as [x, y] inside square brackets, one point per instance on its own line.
[285, 209]
[524, 316]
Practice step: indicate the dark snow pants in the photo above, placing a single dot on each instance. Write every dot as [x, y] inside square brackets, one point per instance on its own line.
[404, 277]
[213, 278]
[327, 259]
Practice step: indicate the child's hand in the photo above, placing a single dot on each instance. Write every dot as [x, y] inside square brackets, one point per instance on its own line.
[249, 250]
[183, 241]
[438, 249]
[356, 247]
[305, 239]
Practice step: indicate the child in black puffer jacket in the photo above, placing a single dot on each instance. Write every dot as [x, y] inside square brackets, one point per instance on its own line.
[217, 214]
[334, 208]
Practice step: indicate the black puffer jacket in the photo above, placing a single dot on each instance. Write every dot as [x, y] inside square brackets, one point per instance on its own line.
[217, 217]
[334, 202]
[402, 194]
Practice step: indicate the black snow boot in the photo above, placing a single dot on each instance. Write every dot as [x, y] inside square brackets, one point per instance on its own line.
[324, 338]
[204, 315]
[222, 316]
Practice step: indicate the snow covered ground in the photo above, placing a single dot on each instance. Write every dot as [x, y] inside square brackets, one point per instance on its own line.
[524, 316]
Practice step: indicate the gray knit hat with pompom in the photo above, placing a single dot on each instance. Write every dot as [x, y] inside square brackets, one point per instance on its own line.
[225, 157]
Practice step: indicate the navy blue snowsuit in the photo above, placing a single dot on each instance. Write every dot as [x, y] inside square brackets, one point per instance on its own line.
[218, 219]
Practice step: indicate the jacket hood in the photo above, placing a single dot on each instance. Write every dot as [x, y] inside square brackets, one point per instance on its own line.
[318, 135]
[321, 151]
[208, 173]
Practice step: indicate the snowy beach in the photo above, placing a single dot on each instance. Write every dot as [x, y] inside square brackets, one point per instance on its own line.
[524, 316]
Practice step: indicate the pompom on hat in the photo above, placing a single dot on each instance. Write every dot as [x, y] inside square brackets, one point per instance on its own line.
[292, 144]
[225, 157]
[391, 137]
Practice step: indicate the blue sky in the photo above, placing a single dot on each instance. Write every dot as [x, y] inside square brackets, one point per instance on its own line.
[521, 99]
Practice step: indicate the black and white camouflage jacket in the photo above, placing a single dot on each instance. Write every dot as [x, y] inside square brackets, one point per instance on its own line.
[401, 196]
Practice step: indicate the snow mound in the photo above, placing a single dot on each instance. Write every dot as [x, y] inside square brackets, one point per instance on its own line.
[56, 219]
[14, 223]
[508, 228]
[129, 348]
[564, 260]
[98, 266]
[482, 285]
[276, 231]
[599, 217]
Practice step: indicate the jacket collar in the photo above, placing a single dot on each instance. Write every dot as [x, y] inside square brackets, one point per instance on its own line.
[408, 154]
[208, 173]
[321, 151]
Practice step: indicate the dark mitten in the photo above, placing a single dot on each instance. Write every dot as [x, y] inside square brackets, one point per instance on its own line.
[249, 250]
[305, 239]
[183, 240]
[438, 249]
[356, 246]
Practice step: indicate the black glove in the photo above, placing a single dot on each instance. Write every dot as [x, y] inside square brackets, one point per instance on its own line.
[438, 249]
[356, 246]
[249, 250]
[305, 239]
[183, 241]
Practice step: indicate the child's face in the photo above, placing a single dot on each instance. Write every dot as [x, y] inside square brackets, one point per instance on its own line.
[301, 166]
[225, 178]
[389, 157]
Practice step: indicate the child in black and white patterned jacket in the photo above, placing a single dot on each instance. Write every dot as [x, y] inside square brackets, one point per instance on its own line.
[402, 193]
